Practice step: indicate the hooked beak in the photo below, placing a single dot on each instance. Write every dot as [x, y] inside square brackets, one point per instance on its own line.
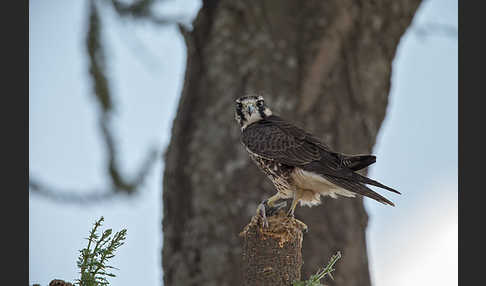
[250, 109]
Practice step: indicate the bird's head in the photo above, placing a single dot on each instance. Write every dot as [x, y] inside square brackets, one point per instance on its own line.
[250, 109]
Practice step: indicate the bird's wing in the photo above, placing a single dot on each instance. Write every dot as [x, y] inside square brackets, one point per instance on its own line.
[268, 139]
[280, 140]
[333, 160]
[297, 132]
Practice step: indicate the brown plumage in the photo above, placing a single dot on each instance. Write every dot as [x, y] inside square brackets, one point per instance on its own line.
[300, 165]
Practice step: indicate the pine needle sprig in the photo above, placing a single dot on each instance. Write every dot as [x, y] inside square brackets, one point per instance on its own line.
[92, 262]
[315, 279]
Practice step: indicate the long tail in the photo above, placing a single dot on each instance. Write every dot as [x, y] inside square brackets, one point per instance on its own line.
[366, 180]
[360, 189]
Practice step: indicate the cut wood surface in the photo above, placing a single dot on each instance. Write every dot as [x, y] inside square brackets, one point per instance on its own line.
[273, 255]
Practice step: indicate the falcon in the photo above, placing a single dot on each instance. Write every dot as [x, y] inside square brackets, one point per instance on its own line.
[300, 166]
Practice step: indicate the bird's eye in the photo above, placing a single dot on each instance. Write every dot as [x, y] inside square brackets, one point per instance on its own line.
[239, 105]
[259, 103]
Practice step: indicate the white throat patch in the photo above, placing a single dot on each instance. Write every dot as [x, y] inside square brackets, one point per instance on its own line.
[255, 117]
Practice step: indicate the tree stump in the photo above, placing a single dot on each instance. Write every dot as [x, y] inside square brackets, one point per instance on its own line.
[272, 256]
[59, 282]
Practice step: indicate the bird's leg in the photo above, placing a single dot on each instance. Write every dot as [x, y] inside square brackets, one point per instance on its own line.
[295, 200]
[270, 211]
[268, 207]
[290, 213]
[273, 206]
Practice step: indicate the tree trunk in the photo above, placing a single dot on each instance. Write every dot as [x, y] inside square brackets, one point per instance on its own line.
[324, 65]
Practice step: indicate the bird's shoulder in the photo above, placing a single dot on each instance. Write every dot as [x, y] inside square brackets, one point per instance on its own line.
[274, 127]
[296, 132]
[278, 139]
[263, 133]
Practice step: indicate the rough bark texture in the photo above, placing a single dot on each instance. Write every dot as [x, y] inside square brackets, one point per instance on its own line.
[58, 282]
[272, 256]
[324, 65]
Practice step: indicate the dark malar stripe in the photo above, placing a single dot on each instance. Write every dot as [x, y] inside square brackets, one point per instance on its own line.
[261, 109]
[241, 115]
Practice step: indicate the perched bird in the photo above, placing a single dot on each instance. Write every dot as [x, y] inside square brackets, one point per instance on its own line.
[299, 165]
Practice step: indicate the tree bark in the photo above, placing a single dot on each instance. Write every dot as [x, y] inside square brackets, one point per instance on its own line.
[272, 256]
[324, 65]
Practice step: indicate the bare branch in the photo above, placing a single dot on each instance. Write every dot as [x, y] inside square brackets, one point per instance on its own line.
[143, 10]
[435, 29]
[97, 65]
[69, 196]
[101, 90]
[119, 183]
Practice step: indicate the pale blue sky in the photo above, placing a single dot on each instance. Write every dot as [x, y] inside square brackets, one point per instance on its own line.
[416, 146]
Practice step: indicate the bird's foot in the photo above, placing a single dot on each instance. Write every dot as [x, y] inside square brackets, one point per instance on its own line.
[271, 211]
[262, 213]
[290, 212]
[264, 210]
[302, 225]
